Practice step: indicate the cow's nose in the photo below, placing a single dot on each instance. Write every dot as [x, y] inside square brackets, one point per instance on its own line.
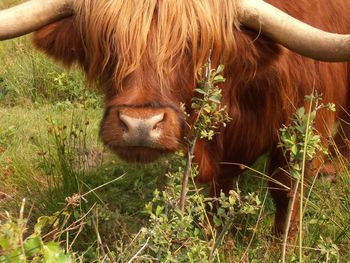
[141, 131]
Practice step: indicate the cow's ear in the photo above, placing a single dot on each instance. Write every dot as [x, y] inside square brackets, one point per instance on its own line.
[62, 41]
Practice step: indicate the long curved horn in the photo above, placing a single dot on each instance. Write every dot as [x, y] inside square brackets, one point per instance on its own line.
[292, 33]
[32, 15]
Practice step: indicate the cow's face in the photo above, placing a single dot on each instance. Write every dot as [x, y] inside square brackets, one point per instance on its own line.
[146, 70]
[143, 119]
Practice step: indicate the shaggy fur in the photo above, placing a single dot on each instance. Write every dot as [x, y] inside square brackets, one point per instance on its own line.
[173, 29]
[144, 54]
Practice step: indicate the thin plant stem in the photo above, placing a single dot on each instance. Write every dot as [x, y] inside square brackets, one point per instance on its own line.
[21, 216]
[302, 183]
[288, 220]
[221, 236]
[187, 173]
[203, 207]
[192, 143]
[255, 229]
[140, 250]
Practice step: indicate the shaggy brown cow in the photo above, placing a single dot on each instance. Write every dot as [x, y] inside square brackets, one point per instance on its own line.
[144, 55]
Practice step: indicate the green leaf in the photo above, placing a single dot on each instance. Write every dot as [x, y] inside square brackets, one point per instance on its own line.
[301, 112]
[216, 99]
[4, 242]
[41, 223]
[76, 214]
[313, 222]
[221, 212]
[32, 246]
[200, 91]
[15, 256]
[331, 106]
[219, 79]
[294, 149]
[312, 116]
[217, 221]
[232, 200]
[219, 69]
[207, 108]
[54, 254]
[159, 210]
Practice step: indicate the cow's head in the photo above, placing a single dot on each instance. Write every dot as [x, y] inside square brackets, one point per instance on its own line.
[144, 55]
[145, 61]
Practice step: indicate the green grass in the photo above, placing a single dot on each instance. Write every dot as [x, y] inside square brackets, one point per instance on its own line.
[50, 150]
[28, 77]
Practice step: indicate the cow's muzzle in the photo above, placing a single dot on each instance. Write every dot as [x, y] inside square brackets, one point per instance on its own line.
[141, 134]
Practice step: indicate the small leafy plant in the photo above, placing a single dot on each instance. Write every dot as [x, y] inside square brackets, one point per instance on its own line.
[210, 115]
[300, 140]
[186, 226]
[17, 246]
[301, 143]
[207, 104]
[198, 232]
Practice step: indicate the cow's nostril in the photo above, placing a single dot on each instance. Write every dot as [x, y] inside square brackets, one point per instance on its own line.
[160, 118]
[127, 122]
[123, 126]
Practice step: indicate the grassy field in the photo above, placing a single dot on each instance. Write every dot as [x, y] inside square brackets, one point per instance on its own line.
[62, 190]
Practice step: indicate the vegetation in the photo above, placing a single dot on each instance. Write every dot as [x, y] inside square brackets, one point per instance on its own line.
[65, 198]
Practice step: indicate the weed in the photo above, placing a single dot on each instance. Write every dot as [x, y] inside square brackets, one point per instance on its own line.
[16, 247]
[27, 77]
[184, 225]
[301, 143]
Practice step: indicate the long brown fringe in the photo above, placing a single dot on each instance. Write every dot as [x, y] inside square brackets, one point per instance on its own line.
[124, 30]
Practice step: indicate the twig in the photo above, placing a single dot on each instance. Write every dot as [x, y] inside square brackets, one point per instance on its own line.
[255, 229]
[288, 220]
[76, 236]
[71, 226]
[187, 173]
[21, 216]
[99, 240]
[103, 185]
[192, 142]
[140, 250]
[223, 232]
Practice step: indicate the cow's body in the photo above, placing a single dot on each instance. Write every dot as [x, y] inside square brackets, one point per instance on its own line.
[260, 106]
[264, 85]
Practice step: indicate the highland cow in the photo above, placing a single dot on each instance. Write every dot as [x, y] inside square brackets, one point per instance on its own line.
[144, 55]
